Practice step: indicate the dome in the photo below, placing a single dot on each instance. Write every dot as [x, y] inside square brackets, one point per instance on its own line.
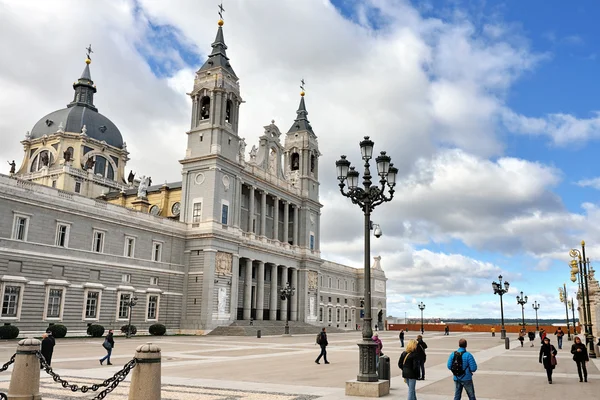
[73, 119]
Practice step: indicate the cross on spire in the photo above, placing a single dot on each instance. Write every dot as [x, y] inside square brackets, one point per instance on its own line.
[89, 51]
[302, 84]
[221, 10]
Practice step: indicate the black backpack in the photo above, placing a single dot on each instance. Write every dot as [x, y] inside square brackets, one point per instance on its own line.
[457, 365]
[319, 337]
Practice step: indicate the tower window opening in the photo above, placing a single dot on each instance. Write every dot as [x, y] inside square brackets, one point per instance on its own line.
[295, 161]
[204, 108]
[43, 159]
[228, 109]
[312, 163]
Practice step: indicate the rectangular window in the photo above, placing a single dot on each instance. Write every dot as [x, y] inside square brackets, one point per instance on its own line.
[152, 307]
[338, 315]
[156, 251]
[320, 315]
[62, 235]
[154, 281]
[77, 187]
[98, 244]
[224, 214]
[91, 304]
[20, 225]
[54, 303]
[124, 305]
[329, 299]
[126, 278]
[95, 275]
[312, 241]
[129, 246]
[10, 303]
[197, 212]
[58, 271]
[329, 315]
[53, 184]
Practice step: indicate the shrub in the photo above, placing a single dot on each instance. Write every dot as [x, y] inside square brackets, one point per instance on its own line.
[95, 330]
[157, 329]
[8, 332]
[58, 330]
[133, 329]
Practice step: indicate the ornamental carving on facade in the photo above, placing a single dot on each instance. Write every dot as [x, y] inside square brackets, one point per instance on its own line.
[224, 263]
[313, 279]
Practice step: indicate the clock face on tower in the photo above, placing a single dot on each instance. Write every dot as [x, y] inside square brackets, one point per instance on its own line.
[175, 208]
[154, 210]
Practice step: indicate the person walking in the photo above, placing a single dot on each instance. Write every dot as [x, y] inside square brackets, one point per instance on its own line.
[378, 352]
[401, 337]
[410, 366]
[542, 335]
[531, 337]
[421, 346]
[323, 343]
[559, 336]
[548, 358]
[469, 366]
[47, 349]
[109, 344]
[447, 330]
[522, 336]
[493, 331]
[580, 356]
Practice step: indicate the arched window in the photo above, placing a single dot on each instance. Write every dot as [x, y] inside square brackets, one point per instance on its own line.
[101, 166]
[228, 111]
[313, 160]
[295, 161]
[204, 108]
[329, 279]
[44, 158]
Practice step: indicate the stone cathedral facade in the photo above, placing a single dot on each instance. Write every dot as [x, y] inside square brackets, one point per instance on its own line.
[79, 239]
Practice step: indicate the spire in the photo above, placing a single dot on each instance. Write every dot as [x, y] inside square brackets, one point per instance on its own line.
[84, 87]
[218, 56]
[301, 123]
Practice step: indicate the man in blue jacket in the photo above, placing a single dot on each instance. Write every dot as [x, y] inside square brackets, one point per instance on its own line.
[469, 366]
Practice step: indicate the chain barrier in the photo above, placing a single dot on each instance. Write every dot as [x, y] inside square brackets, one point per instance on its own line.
[3, 396]
[110, 384]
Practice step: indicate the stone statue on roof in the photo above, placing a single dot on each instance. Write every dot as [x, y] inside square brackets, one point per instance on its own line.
[13, 166]
[253, 152]
[143, 187]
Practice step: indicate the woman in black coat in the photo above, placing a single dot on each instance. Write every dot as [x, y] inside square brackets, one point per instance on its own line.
[580, 356]
[47, 347]
[410, 365]
[547, 353]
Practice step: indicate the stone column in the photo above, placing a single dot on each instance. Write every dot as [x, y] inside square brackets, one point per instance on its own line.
[274, 294]
[295, 225]
[276, 218]
[286, 221]
[247, 289]
[260, 290]
[25, 376]
[284, 281]
[294, 300]
[235, 282]
[145, 377]
[263, 213]
[194, 107]
[238, 204]
[251, 210]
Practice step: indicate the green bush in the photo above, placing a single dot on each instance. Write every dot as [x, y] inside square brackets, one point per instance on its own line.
[133, 329]
[157, 329]
[8, 332]
[58, 330]
[95, 330]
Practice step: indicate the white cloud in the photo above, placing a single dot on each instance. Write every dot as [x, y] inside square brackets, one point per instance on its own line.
[593, 183]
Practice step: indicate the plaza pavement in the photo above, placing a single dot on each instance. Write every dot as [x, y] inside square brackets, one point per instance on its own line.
[276, 367]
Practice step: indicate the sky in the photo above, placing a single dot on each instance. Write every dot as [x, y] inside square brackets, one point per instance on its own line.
[488, 108]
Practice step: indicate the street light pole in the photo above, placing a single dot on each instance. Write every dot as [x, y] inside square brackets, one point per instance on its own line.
[422, 307]
[585, 294]
[522, 301]
[536, 307]
[562, 293]
[570, 304]
[286, 293]
[500, 290]
[130, 303]
[367, 198]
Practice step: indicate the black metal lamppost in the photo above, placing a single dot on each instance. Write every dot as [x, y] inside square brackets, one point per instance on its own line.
[130, 303]
[562, 294]
[536, 307]
[585, 294]
[500, 290]
[572, 307]
[522, 301]
[286, 293]
[367, 198]
[421, 307]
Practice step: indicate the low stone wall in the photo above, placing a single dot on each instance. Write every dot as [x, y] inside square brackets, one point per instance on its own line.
[474, 328]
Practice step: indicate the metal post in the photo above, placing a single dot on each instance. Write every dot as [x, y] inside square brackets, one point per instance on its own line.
[573, 313]
[566, 311]
[590, 334]
[422, 307]
[522, 300]
[502, 329]
[536, 307]
[500, 289]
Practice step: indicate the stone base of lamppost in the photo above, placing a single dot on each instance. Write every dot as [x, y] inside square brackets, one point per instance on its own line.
[366, 383]
[503, 334]
[286, 330]
[367, 389]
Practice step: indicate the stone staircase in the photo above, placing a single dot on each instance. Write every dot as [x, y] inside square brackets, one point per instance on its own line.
[270, 328]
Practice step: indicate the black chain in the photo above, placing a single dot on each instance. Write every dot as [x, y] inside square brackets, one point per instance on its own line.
[110, 383]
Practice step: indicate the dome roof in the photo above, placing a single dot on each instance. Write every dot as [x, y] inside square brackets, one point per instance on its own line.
[73, 119]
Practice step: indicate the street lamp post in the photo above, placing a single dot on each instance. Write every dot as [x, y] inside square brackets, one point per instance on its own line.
[367, 198]
[585, 294]
[562, 294]
[286, 293]
[500, 290]
[130, 303]
[536, 307]
[522, 301]
[422, 307]
[570, 304]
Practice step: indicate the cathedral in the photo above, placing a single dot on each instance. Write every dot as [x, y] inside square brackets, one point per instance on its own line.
[82, 242]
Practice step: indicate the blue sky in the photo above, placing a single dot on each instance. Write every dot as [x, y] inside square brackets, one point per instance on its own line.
[487, 107]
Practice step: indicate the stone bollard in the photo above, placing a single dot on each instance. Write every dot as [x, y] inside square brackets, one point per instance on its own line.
[145, 378]
[25, 377]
